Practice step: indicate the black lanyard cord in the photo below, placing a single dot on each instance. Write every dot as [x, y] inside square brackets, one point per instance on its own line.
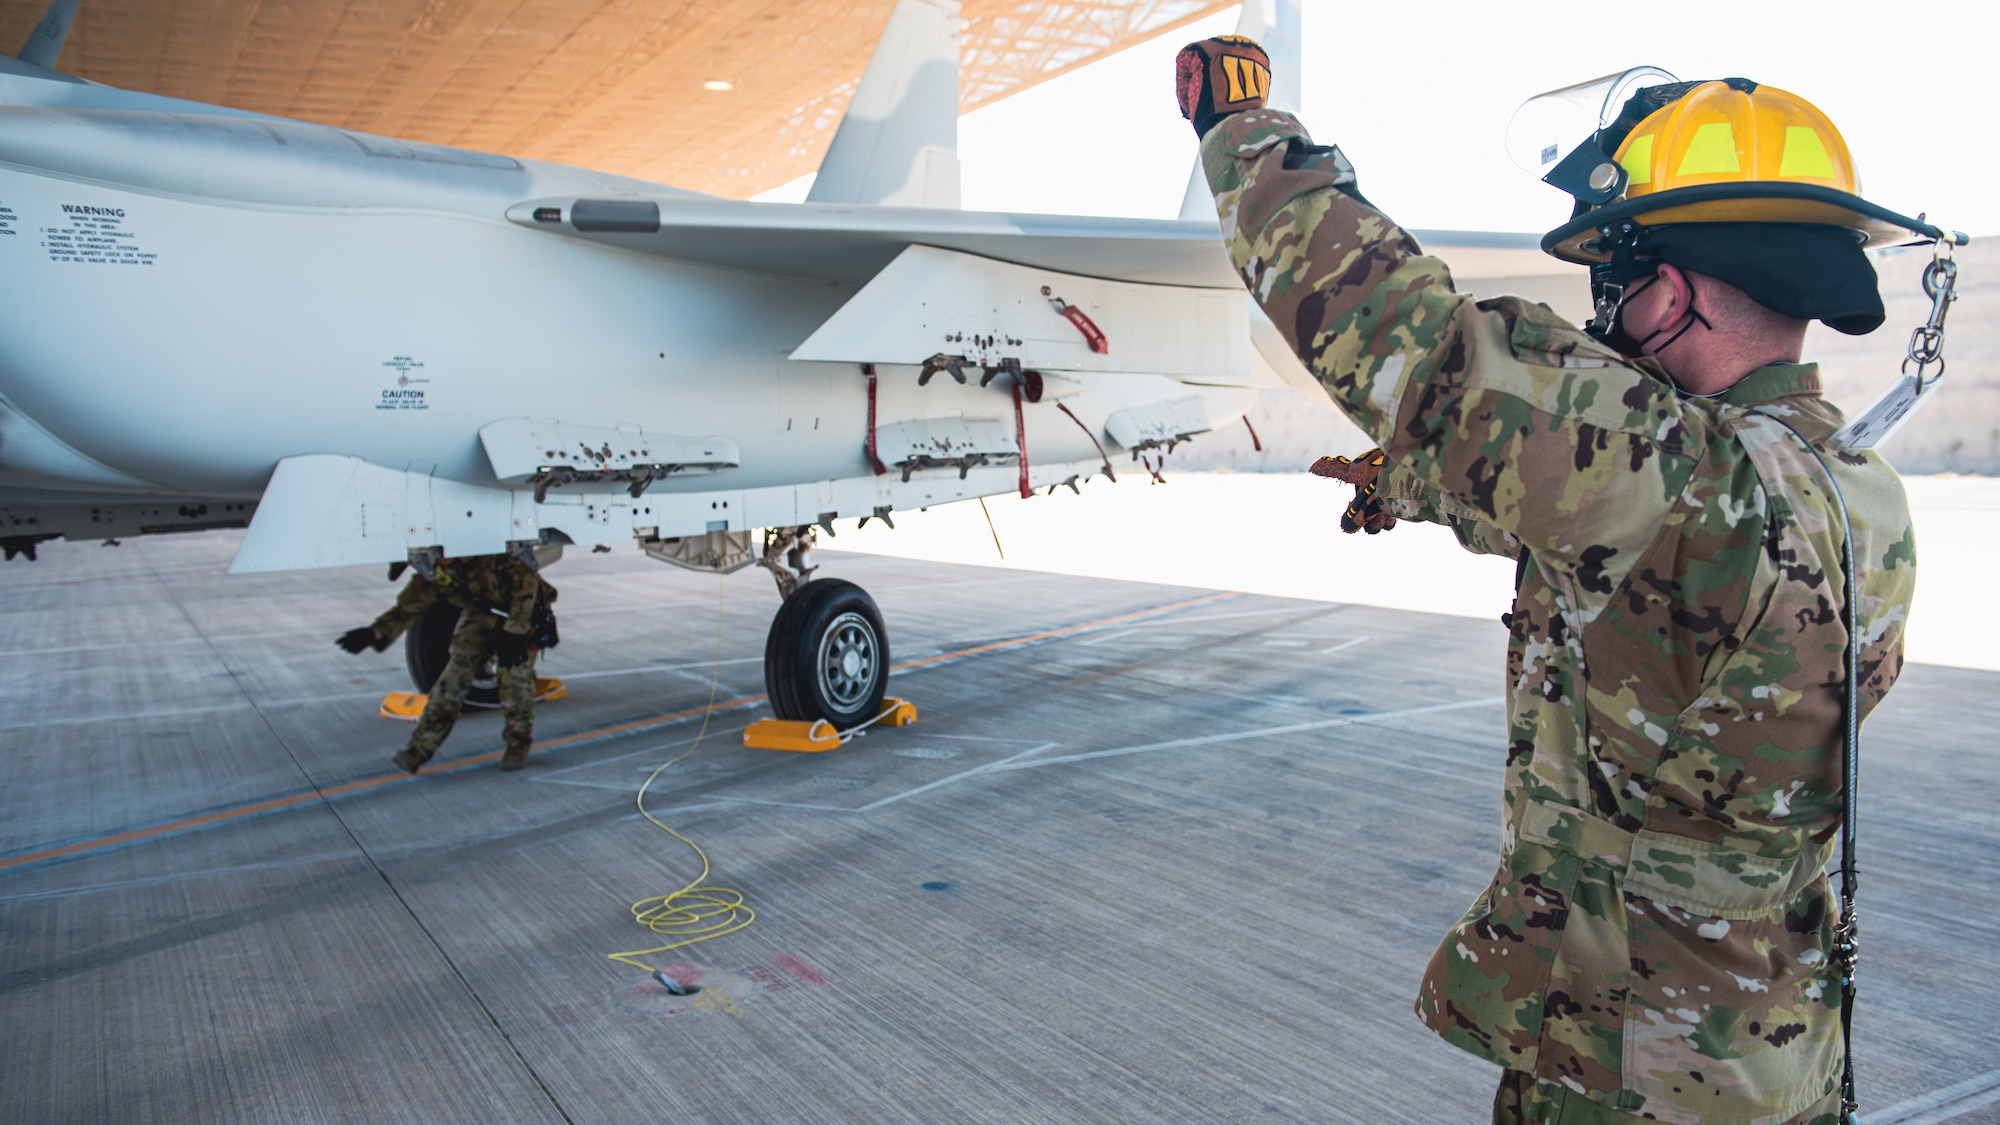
[1846, 941]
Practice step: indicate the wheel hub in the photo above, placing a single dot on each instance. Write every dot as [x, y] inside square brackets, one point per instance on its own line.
[848, 660]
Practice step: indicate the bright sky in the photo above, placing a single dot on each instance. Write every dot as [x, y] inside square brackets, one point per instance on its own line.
[1419, 97]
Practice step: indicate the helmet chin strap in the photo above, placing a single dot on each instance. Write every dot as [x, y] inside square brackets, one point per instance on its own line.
[1613, 321]
[1610, 285]
[1610, 323]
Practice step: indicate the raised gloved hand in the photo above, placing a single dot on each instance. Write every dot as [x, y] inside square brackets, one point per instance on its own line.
[354, 640]
[513, 649]
[1217, 77]
[1365, 512]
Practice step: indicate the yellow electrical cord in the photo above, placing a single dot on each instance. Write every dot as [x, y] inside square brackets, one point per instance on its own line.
[696, 912]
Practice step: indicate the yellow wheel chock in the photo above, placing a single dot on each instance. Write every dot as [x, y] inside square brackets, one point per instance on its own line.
[405, 705]
[409, 705]
[819, 736]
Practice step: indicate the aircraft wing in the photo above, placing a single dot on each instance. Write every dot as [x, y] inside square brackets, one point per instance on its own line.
[908, 260]
[852, 243]
[931, 302]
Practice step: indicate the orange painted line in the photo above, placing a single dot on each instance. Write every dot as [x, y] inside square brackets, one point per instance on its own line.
[203, 820]
[220, 816]
[142, 833]
[637, 724]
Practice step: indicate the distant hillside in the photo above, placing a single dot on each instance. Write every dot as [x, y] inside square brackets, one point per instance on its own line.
[1957, 432]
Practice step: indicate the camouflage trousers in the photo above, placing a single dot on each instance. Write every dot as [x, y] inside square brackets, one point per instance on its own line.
[1523, 1100]
[471, 645]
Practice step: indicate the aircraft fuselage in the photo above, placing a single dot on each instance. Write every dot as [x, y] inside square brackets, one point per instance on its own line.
[195, 296]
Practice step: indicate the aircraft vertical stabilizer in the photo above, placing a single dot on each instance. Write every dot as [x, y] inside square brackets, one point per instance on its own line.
[46, 41]
[1274, 24]
[898, 143]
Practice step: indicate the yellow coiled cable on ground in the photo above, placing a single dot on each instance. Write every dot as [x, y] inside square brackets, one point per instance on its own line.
[697, 912]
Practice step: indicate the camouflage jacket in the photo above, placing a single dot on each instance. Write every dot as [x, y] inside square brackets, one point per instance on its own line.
[497, 580]
[1656, 936]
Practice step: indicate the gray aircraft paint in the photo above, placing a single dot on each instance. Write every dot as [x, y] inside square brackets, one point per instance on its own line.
[45, 42]
[206, 293]
[211, 293]
[898, 142]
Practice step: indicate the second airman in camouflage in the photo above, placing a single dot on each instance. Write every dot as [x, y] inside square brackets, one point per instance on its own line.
[499, 600]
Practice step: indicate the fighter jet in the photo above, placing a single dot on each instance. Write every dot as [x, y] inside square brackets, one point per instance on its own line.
[370, 350]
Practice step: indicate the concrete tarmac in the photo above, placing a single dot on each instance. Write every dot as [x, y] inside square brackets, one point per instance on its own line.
[1151, 854]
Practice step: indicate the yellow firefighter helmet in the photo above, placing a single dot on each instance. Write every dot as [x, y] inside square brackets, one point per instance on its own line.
[1726, 151]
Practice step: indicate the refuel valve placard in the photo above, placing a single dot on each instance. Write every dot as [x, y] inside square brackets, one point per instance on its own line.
[409, 392]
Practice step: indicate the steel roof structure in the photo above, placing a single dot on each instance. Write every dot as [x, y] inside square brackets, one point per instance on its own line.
[618, 85]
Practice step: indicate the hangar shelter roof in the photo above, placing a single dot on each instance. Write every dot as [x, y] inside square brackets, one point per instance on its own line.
[618, 85]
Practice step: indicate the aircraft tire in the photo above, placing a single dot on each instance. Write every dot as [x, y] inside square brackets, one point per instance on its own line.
[427, 646]
[827, 655]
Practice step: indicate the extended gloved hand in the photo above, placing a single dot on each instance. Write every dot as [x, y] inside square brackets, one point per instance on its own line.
[513, 649]
[1217, 77]
[354, 640]
[1365, 512]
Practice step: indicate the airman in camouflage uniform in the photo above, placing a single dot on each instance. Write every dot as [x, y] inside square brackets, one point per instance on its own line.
[1655, 942]
[479, 586]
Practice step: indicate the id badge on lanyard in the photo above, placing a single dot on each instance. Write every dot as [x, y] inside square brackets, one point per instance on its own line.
[1887, 413]
[1911, 389]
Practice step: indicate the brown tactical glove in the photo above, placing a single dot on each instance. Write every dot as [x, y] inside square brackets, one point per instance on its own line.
[1365, 512]
[1217, 77]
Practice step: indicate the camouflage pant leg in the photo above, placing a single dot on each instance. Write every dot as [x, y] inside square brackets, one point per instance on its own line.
[517, 703]
[470, 646]
[1522, 1100]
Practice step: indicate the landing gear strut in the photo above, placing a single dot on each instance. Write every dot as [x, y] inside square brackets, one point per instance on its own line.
[787, 555]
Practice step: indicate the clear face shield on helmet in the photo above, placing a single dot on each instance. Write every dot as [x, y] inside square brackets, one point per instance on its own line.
[1565, 137]
[1550, 128]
